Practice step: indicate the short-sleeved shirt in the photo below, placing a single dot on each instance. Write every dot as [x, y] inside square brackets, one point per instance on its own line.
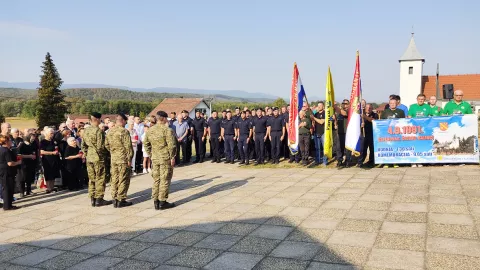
[180, 128]
[228, 126]
[403, 108]
[452, 108]
[418, 111]
[215, 125]
[319, 128]
[275, 123]
[435, 110]
[199, 125]
[391, 114]
[244, 126]
[260, 124]
[305, 129]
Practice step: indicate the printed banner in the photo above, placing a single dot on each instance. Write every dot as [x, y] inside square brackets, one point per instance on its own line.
[443, 139]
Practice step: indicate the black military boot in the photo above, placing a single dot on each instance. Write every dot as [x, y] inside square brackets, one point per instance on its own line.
[201, 160]
[102, 202]
[214, 160]
[233, 162]
[166, 205]
[247, 162]
[92, 201]
[115, 203]
[242, 162]
[156, 203]
[123, 203]
[196, 161]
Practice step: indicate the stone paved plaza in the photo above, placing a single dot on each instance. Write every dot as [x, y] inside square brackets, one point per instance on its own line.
[236, 218]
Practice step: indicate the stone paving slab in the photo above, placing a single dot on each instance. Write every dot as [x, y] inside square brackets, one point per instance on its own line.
[229, 217]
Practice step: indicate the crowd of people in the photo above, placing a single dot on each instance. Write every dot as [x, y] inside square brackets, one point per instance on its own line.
[104, 151]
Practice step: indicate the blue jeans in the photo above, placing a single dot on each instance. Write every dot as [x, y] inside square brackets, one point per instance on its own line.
[319, 144]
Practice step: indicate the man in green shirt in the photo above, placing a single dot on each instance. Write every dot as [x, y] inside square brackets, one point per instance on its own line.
[457, 105]
[434, 109]
[304, 136]
[420, 109]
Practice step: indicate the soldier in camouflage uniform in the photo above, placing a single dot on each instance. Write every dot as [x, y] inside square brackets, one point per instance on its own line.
[160, 144]
[93, 145]
[119, 143]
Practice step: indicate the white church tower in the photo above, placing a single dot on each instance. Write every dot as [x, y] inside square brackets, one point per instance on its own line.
[411, 70]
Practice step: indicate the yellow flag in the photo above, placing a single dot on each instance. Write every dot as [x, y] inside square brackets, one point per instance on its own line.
[329, 111]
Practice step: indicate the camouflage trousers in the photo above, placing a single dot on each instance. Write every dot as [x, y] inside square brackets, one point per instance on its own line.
[119, 180]
[96, 177]
[162, 176]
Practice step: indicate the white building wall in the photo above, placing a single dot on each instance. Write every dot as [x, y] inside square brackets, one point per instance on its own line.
[410, 84]
[200, 105]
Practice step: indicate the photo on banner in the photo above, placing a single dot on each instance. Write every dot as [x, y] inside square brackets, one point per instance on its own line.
[443, 139]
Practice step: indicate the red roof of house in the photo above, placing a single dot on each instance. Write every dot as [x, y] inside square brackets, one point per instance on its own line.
[468, 83]
[177, 105]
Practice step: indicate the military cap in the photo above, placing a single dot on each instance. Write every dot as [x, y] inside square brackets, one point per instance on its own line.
[96, 115]
[124, 117]
[184, 111]
[275, 108]
[162, 114]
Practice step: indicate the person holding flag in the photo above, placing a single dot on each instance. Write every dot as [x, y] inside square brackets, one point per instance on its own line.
[297, 94]
[353, 137]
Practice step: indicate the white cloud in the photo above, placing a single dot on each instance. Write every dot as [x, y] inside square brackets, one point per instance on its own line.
[25, 30]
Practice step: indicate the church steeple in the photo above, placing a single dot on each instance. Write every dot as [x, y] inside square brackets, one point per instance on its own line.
[412, 53]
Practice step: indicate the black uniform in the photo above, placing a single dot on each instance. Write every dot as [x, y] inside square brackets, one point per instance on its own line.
[189, 138]
[276, 125]
[199, 126]
[215, 127]
[228, 126]
[260, 128]
[368, 140]
[244, 127]
[284, 150]
[268, 144]
[251, 143]
[236, 154]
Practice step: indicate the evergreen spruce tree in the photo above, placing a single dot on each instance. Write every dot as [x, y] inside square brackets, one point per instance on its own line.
[51, 108]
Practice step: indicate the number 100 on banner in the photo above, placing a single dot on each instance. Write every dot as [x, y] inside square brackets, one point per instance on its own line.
[444, 139]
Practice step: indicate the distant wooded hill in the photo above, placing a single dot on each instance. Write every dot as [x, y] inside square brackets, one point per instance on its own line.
[23, 102]
[117, 94]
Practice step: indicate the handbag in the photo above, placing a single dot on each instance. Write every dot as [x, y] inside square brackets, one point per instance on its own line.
[41, 184]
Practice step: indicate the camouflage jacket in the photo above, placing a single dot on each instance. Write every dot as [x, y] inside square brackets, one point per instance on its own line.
[93, 144]
[160, 144]
[119, 143]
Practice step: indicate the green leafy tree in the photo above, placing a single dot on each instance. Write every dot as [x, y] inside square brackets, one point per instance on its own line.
[279, 102]
[51, 107]
[2, 118]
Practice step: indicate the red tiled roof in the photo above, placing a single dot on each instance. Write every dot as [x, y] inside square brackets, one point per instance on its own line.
[177, 105]
[468, 83]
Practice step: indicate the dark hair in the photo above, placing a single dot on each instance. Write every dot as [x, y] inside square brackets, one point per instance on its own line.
[421, 95]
